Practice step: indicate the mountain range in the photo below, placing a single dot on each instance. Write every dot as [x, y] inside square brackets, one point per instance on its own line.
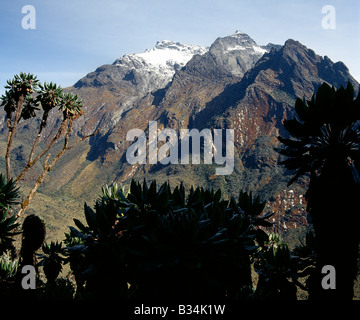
[233, 84]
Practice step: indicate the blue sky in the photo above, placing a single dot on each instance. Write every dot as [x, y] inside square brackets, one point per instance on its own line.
[74, 37]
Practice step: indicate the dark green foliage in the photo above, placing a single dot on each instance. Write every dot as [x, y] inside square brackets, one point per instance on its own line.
[8, 272]
[253, 208]
[279, 269]
[20, 87]
[70, 105]
[50, 96]
[8, 193]
[30, 108]
[21, 84]
[159, 243]
[51, 260]
[8, 224]
[8, 269]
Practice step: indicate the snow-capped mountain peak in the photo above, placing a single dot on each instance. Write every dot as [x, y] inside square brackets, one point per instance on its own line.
[155, 68]
[164, 59]
[170, 53]
[237, 53]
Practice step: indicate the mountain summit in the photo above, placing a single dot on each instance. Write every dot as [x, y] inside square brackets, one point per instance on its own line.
[148, 71]
[160, 63]
[135, 76]
[153, 69]
[229, 56]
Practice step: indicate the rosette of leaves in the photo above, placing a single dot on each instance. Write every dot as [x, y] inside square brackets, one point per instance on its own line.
[18, 89]
[49, 96]
[8, 269]
[324, 144]
[8, 222]
[22, 84]
[93, 251]
[277, 271]
[70, 105]
[325, 132]
[8, 273]
[51, 260]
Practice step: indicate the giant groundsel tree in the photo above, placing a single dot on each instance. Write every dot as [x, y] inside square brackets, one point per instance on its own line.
[26, 98]
[324, 143]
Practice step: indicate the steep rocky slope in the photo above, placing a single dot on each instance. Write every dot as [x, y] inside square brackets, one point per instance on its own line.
[234, 84]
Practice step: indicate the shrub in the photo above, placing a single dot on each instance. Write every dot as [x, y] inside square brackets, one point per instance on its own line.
[159, 243]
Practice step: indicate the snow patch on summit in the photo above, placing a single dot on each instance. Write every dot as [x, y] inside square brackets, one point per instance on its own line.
[169, 53]
[240, 41]
[163, 60]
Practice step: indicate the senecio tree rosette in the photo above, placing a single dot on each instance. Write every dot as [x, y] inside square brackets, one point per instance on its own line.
[324, 144]
[26, 98]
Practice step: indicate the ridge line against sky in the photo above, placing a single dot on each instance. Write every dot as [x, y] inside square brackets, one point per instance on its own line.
[73, 38]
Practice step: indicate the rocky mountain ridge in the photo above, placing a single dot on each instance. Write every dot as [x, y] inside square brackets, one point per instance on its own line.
[234, 84]
[148, 71]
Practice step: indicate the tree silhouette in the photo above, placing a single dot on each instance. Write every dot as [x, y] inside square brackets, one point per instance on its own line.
[23, 96]
[155, 243]
[325, 143]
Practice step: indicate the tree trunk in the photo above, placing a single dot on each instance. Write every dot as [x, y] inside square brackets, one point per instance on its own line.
[48, 167]
[42, 126]
[333, 203]
[10, 138]
[41, 178]
[31, 163]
